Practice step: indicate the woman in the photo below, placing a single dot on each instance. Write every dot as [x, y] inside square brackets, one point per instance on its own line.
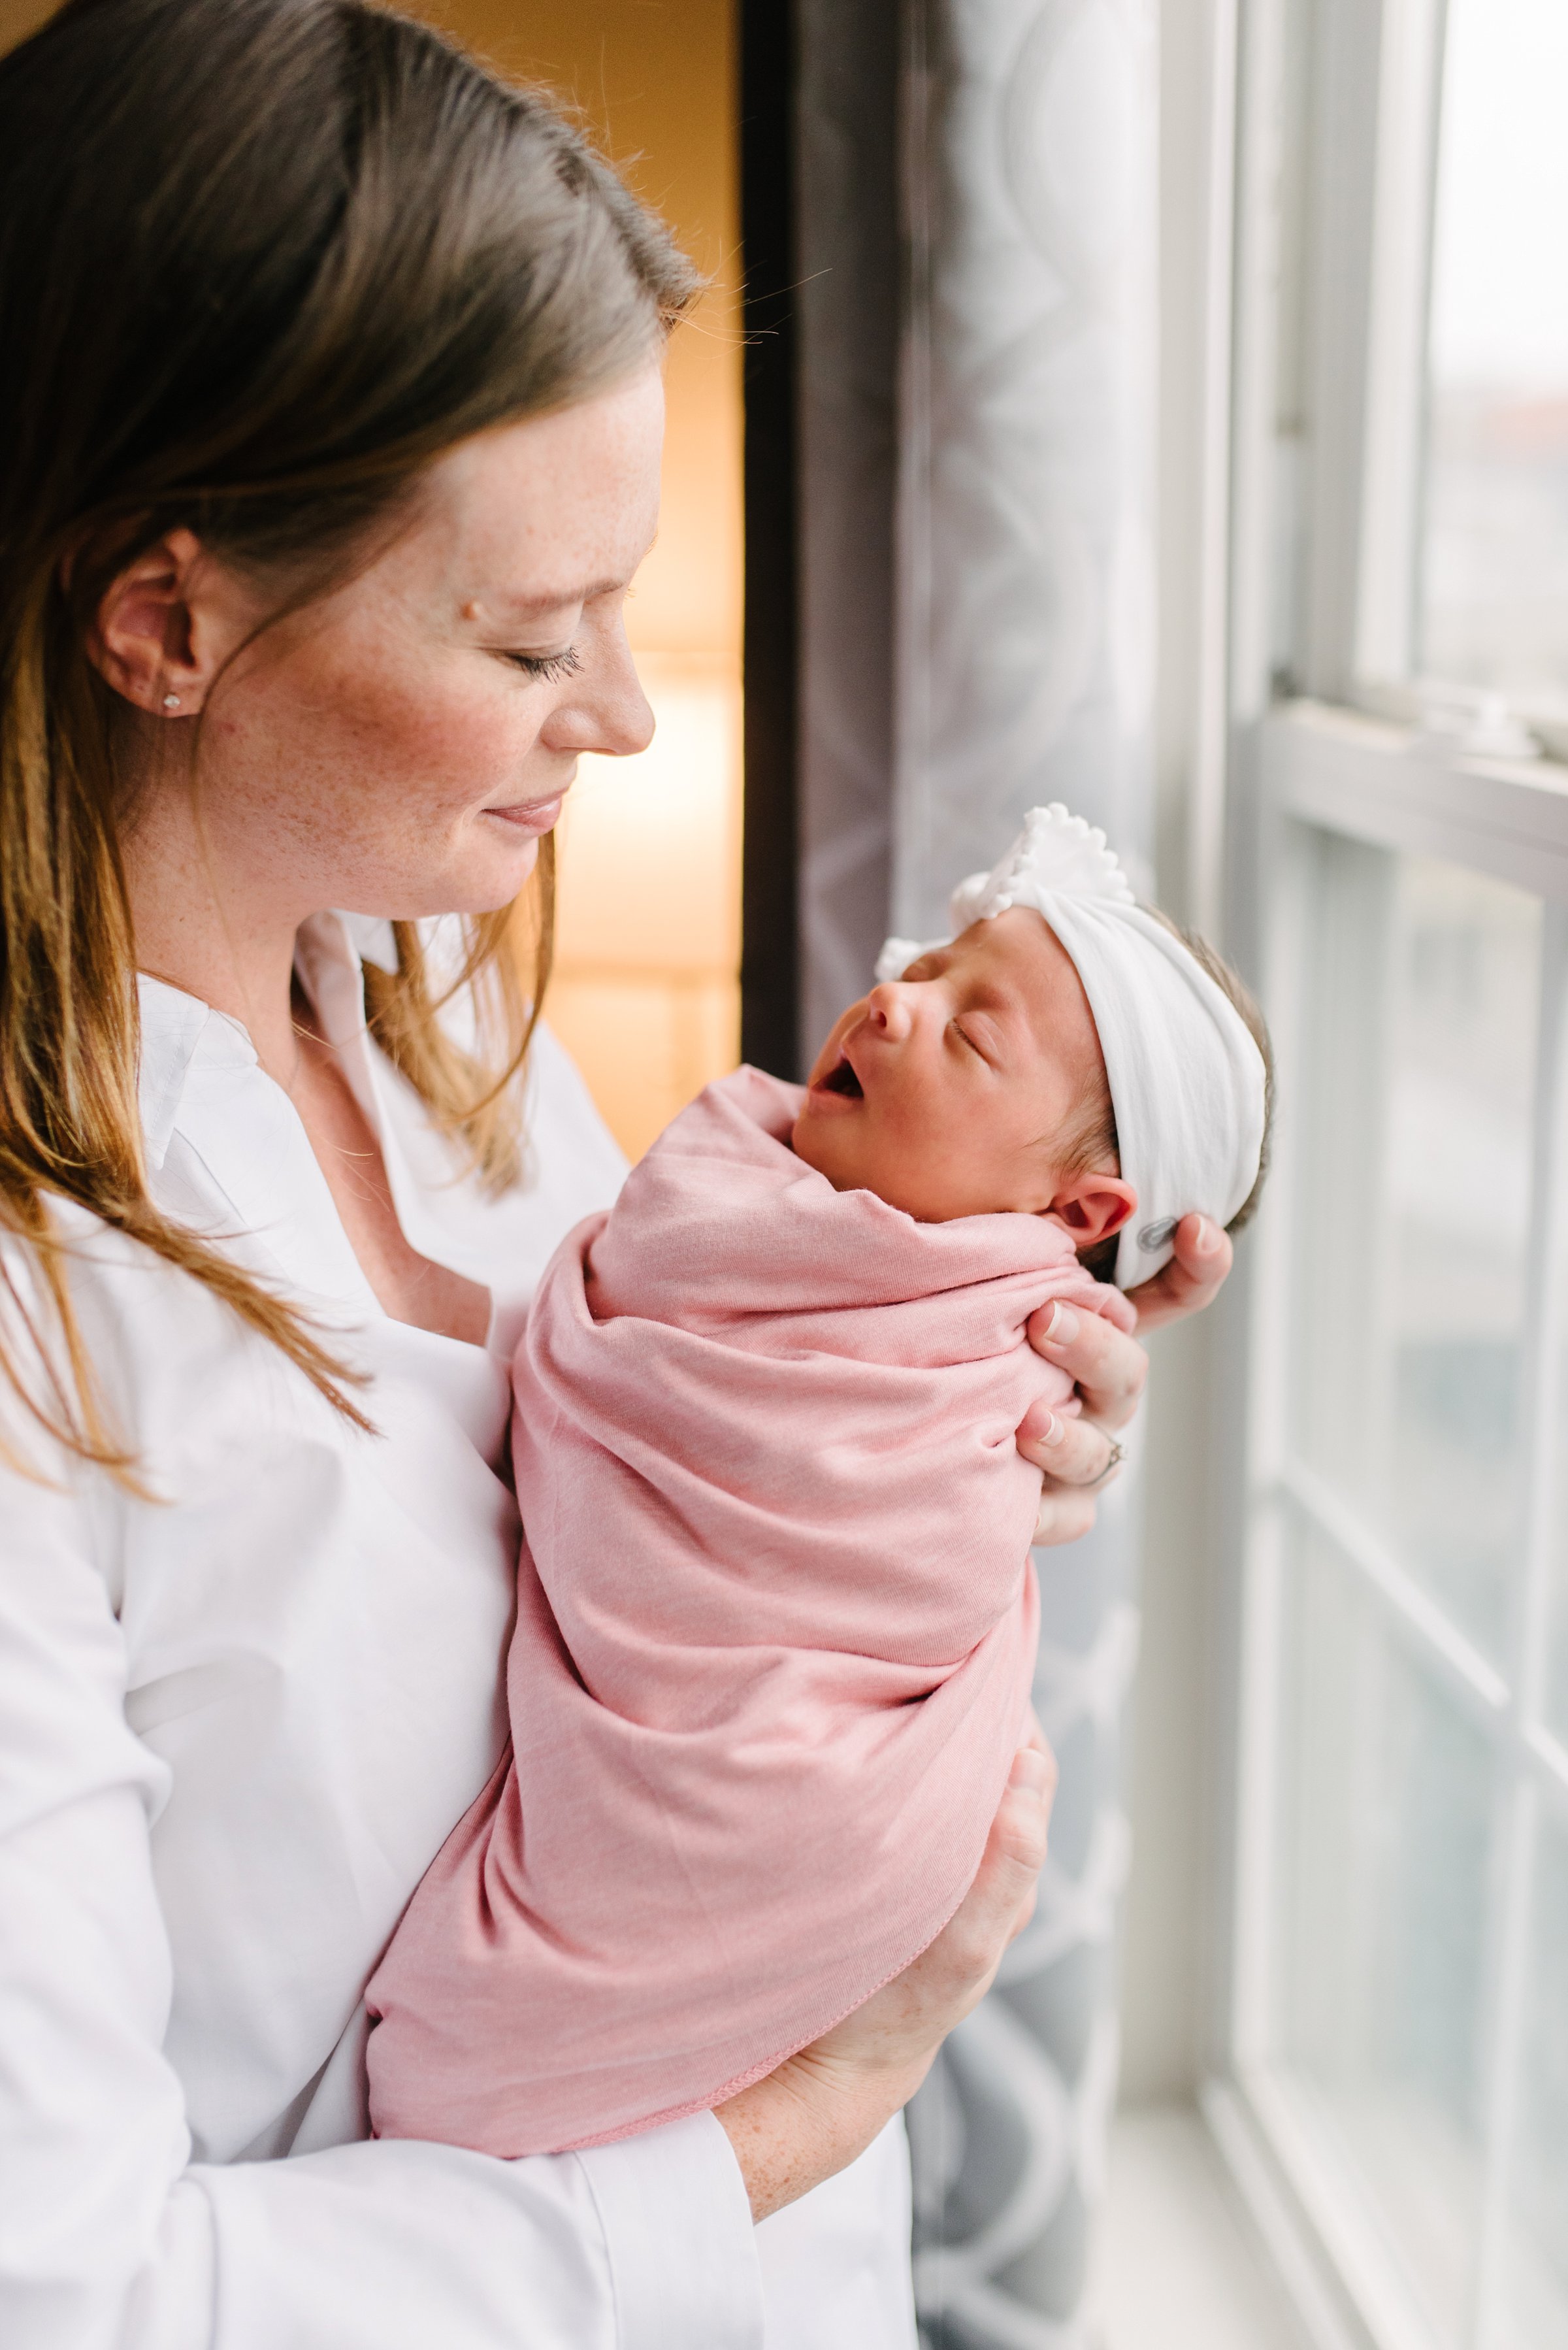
[330, 403]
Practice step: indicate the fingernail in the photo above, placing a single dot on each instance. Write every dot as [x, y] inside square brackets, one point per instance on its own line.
[1063, 1326]
[1207, 1239]
[1053, 1432]
[1028, 1769]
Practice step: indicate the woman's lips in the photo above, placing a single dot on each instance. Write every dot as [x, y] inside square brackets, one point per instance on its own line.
[531, 816]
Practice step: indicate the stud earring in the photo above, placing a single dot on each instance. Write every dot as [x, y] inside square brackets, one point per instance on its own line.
[171, 701]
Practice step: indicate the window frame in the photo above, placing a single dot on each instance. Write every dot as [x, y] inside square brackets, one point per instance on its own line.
[1315, 399]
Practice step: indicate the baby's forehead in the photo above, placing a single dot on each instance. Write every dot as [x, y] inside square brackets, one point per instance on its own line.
[1018, 956]
[1018, 945]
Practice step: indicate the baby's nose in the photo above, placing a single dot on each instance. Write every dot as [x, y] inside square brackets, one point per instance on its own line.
[887, 1009]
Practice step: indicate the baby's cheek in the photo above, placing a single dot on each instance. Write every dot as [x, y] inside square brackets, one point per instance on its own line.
[835, 1147]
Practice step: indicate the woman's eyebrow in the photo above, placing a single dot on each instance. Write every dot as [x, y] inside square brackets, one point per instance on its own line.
[517, 604]
[508, 604]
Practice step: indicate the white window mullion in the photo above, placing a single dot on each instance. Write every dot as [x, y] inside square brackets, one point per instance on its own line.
[1270, 1318]
[1520, 1798]
[1345, 63]
[1481, 1689]
[1410, 83]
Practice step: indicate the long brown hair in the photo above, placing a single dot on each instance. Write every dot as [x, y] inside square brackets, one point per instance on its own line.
[261, 261]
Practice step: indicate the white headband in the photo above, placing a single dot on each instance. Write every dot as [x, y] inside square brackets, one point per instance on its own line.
[1185, 1077]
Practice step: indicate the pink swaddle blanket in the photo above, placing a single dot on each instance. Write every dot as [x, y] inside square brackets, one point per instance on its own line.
[775, 1636]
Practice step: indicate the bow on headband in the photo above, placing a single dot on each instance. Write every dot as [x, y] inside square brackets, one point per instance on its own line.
[1187, 1079]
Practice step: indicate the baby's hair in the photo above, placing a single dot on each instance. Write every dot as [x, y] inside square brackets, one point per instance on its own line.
[1096, 1140]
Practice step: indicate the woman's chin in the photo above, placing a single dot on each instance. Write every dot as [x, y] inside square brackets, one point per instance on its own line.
[489, 877]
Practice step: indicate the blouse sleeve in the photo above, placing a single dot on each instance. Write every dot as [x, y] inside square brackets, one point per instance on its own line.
[111, 2240]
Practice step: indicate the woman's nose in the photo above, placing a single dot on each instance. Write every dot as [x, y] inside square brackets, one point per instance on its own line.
[608, 712]
[624, 716]
[890, 1011]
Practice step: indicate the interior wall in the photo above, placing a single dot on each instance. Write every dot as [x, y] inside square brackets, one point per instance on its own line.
[20, 17]
[646, 994]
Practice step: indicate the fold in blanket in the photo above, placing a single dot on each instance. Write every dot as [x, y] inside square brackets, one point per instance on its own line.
[775, 1631]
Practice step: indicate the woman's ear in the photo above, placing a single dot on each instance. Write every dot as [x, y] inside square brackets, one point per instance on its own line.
[163, 630]
[1092, 1207]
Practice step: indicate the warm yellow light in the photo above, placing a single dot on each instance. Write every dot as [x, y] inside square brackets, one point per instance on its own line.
[646, 994]
[650, 846]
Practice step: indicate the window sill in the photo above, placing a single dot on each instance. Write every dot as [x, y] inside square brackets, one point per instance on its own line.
[1179, 2265]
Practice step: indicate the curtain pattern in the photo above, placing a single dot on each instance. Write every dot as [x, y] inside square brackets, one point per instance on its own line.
[1024, 673]
[977, 570]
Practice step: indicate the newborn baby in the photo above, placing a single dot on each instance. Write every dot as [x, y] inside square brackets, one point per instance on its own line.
[777, 1621]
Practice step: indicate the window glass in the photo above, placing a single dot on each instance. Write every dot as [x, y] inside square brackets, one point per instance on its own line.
[1534, 2283]
[1380, 1928]
[1494, 561]
[1555, 1698]
[1415, 1083]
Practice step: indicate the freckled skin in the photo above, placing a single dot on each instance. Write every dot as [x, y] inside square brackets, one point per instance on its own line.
[970, 1077]
[357, 753]
[397, 747]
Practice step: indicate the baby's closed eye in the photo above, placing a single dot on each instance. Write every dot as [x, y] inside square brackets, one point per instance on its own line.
[961, 1029]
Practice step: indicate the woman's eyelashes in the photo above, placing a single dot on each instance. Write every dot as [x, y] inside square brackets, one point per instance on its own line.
[547, 668]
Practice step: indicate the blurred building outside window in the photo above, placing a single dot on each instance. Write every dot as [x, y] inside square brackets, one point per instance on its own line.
[1463, 595]
[1493, 571]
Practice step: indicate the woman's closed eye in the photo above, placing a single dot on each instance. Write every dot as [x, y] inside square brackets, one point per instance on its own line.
[546, 666]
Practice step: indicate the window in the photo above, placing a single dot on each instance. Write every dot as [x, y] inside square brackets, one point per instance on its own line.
[1396, 2078]
[1493, 566]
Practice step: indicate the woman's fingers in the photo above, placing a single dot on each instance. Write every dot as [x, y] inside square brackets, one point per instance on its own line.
[823, 2105]
[1079, 1460]
[1067, 1513]
[1077, 1453]
[1108, 1367]
[1070, 1450]
[1000, 1901]
[1191, 1279]
[917, 2009]
[1026, 1839]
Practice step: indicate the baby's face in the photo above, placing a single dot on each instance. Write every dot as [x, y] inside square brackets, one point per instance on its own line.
[960, 1090]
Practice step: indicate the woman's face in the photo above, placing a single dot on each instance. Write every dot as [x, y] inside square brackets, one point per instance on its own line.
[399, 747]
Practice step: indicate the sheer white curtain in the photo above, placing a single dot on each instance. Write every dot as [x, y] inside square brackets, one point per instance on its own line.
[977, 635]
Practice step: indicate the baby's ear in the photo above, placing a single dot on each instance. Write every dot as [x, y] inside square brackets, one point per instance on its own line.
[1092, 1207]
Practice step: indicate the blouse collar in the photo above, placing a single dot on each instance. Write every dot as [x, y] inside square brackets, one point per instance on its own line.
[182, 1036]
[200, 1079]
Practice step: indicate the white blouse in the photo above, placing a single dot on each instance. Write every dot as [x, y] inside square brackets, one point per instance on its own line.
[237, 1718]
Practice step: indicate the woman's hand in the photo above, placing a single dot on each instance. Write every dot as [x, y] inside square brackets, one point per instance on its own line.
[1078, 1455]
[825, 2106]
[1190, 1281]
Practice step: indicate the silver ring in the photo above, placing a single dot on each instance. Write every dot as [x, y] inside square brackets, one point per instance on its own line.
[1113, 1460]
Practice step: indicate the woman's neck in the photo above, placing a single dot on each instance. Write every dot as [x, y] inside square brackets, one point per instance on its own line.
[231, 947]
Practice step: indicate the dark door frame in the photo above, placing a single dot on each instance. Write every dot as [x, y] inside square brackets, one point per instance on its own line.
[770, 913]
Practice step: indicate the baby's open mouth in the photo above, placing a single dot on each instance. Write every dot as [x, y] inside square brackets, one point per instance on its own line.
[842, 1079]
